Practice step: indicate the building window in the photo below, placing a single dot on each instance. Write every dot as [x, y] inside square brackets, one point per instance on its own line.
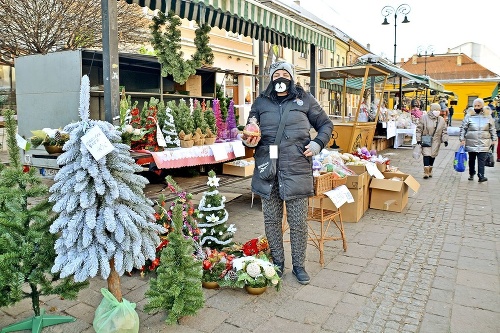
[343, 61]
[332, 63]
[338, 60]
[470, 101]
[302, 55]
[350, 59]
[321, 56]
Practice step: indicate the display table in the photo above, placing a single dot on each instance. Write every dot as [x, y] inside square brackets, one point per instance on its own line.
[325, 218]
[196, 155]
[402, 132]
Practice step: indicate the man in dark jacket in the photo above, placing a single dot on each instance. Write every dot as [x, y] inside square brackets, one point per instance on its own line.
[293, 182]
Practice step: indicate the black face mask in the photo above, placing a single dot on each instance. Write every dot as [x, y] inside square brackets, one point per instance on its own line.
[281, 84]
[478, 110]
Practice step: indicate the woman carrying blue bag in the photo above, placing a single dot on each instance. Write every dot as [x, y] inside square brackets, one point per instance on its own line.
[477, 134]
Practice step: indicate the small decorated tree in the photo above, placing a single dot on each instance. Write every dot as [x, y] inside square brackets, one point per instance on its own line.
[105, 223]
[169, 129]
[210, 119]
[199, 119]
[212, 217]
[177, 288]
[26, 245]
[219, 123]
[231, 128]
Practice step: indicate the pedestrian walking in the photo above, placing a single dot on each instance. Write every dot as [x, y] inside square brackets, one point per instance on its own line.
[451, 110]
[293, 181]
[477, 134]
[431, 123]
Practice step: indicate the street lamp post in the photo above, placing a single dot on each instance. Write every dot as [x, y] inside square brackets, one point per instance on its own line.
[402, 9]
[426, 50]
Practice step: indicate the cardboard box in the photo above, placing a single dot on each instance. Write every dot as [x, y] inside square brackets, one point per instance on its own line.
[357, 181]
[358, 169]
[351, 212]
[389, 194]
[236, 168]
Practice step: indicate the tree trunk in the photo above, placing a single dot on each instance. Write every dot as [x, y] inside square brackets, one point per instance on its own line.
[114, 282]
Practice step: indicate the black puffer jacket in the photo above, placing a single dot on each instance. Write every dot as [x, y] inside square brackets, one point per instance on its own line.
[294, 169]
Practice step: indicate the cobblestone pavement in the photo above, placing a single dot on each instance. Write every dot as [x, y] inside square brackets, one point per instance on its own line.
[432, 268]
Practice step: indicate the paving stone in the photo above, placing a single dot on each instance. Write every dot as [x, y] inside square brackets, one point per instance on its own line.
[320, 296]
[470, 319]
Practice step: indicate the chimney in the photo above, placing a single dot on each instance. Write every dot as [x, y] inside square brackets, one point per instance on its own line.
[414, 59]
[368, 46]
[402, 60]
[459, 60]
[449, 50]
[297, 2]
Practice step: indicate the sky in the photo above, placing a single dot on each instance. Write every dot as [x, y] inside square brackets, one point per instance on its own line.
[439, 24]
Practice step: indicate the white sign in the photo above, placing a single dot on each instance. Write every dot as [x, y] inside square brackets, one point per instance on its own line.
[22, 143]
[97, 143]
[373, 170]
[340, 195]
[273, 151]
[391, 129]
[219, 151]
[159, 137]
[238, 148]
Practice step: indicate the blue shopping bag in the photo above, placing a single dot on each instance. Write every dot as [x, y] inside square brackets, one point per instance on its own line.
[460, 161]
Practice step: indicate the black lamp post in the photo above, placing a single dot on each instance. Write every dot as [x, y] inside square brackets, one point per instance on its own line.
[426, 50]
[402, 9]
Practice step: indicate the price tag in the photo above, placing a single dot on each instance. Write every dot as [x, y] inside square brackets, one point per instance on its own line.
[273, 151]
[374, 171]
[97, 143]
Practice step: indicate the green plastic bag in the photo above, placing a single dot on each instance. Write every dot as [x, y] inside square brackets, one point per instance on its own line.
[112, 316]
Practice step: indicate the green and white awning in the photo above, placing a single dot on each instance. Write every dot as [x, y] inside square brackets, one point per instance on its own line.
[248, 18]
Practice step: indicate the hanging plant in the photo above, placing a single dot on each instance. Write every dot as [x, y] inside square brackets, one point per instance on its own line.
[168, 47]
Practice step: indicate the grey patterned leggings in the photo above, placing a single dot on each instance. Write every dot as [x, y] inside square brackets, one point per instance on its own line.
[296, 216]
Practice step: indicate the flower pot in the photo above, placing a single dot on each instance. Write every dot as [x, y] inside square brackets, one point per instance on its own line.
[210, 141]
[187, 143]
[210, 285]
[199, 142]
[255, 290]
[53, 149]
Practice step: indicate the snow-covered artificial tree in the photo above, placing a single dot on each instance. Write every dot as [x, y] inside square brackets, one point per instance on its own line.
[26, 245]
[212, 217]
[105, 223]
[169, 130]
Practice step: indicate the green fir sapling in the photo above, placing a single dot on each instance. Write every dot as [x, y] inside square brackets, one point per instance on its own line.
[26, 245]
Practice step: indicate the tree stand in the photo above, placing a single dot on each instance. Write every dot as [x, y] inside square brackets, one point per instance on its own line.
[36, 323]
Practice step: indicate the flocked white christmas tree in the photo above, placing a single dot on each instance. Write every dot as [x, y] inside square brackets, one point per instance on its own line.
[212, 217]
[169, 130]
[106, 224]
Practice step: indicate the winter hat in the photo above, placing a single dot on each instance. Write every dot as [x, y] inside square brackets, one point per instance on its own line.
[435, 107]
[280, 65]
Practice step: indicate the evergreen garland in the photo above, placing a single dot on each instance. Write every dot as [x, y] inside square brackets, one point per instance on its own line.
[167, 46]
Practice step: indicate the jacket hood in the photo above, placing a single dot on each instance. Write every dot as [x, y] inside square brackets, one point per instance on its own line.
[471, 112]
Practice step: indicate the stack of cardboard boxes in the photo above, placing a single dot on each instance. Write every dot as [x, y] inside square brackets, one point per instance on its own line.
[390, 193]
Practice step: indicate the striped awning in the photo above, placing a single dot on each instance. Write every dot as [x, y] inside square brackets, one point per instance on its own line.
[337, 86]
[248, 18]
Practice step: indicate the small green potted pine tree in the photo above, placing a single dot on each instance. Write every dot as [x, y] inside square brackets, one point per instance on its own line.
[26, 244]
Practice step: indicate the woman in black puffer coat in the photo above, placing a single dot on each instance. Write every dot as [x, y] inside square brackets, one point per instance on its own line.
[293, 182]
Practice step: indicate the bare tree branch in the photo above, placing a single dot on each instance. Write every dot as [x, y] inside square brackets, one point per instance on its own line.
[42, 26]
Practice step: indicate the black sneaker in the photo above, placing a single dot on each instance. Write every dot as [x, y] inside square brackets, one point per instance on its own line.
[482, 179]
[301, 275]
[280, 268]
[471, 177]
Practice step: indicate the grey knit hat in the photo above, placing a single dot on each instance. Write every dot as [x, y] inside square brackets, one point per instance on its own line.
[280, 65]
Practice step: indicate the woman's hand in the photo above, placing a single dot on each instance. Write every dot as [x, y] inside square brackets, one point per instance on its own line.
[250, 141]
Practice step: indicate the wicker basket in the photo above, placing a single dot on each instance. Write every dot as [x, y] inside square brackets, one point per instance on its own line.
[186, 143]
[327, 181]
